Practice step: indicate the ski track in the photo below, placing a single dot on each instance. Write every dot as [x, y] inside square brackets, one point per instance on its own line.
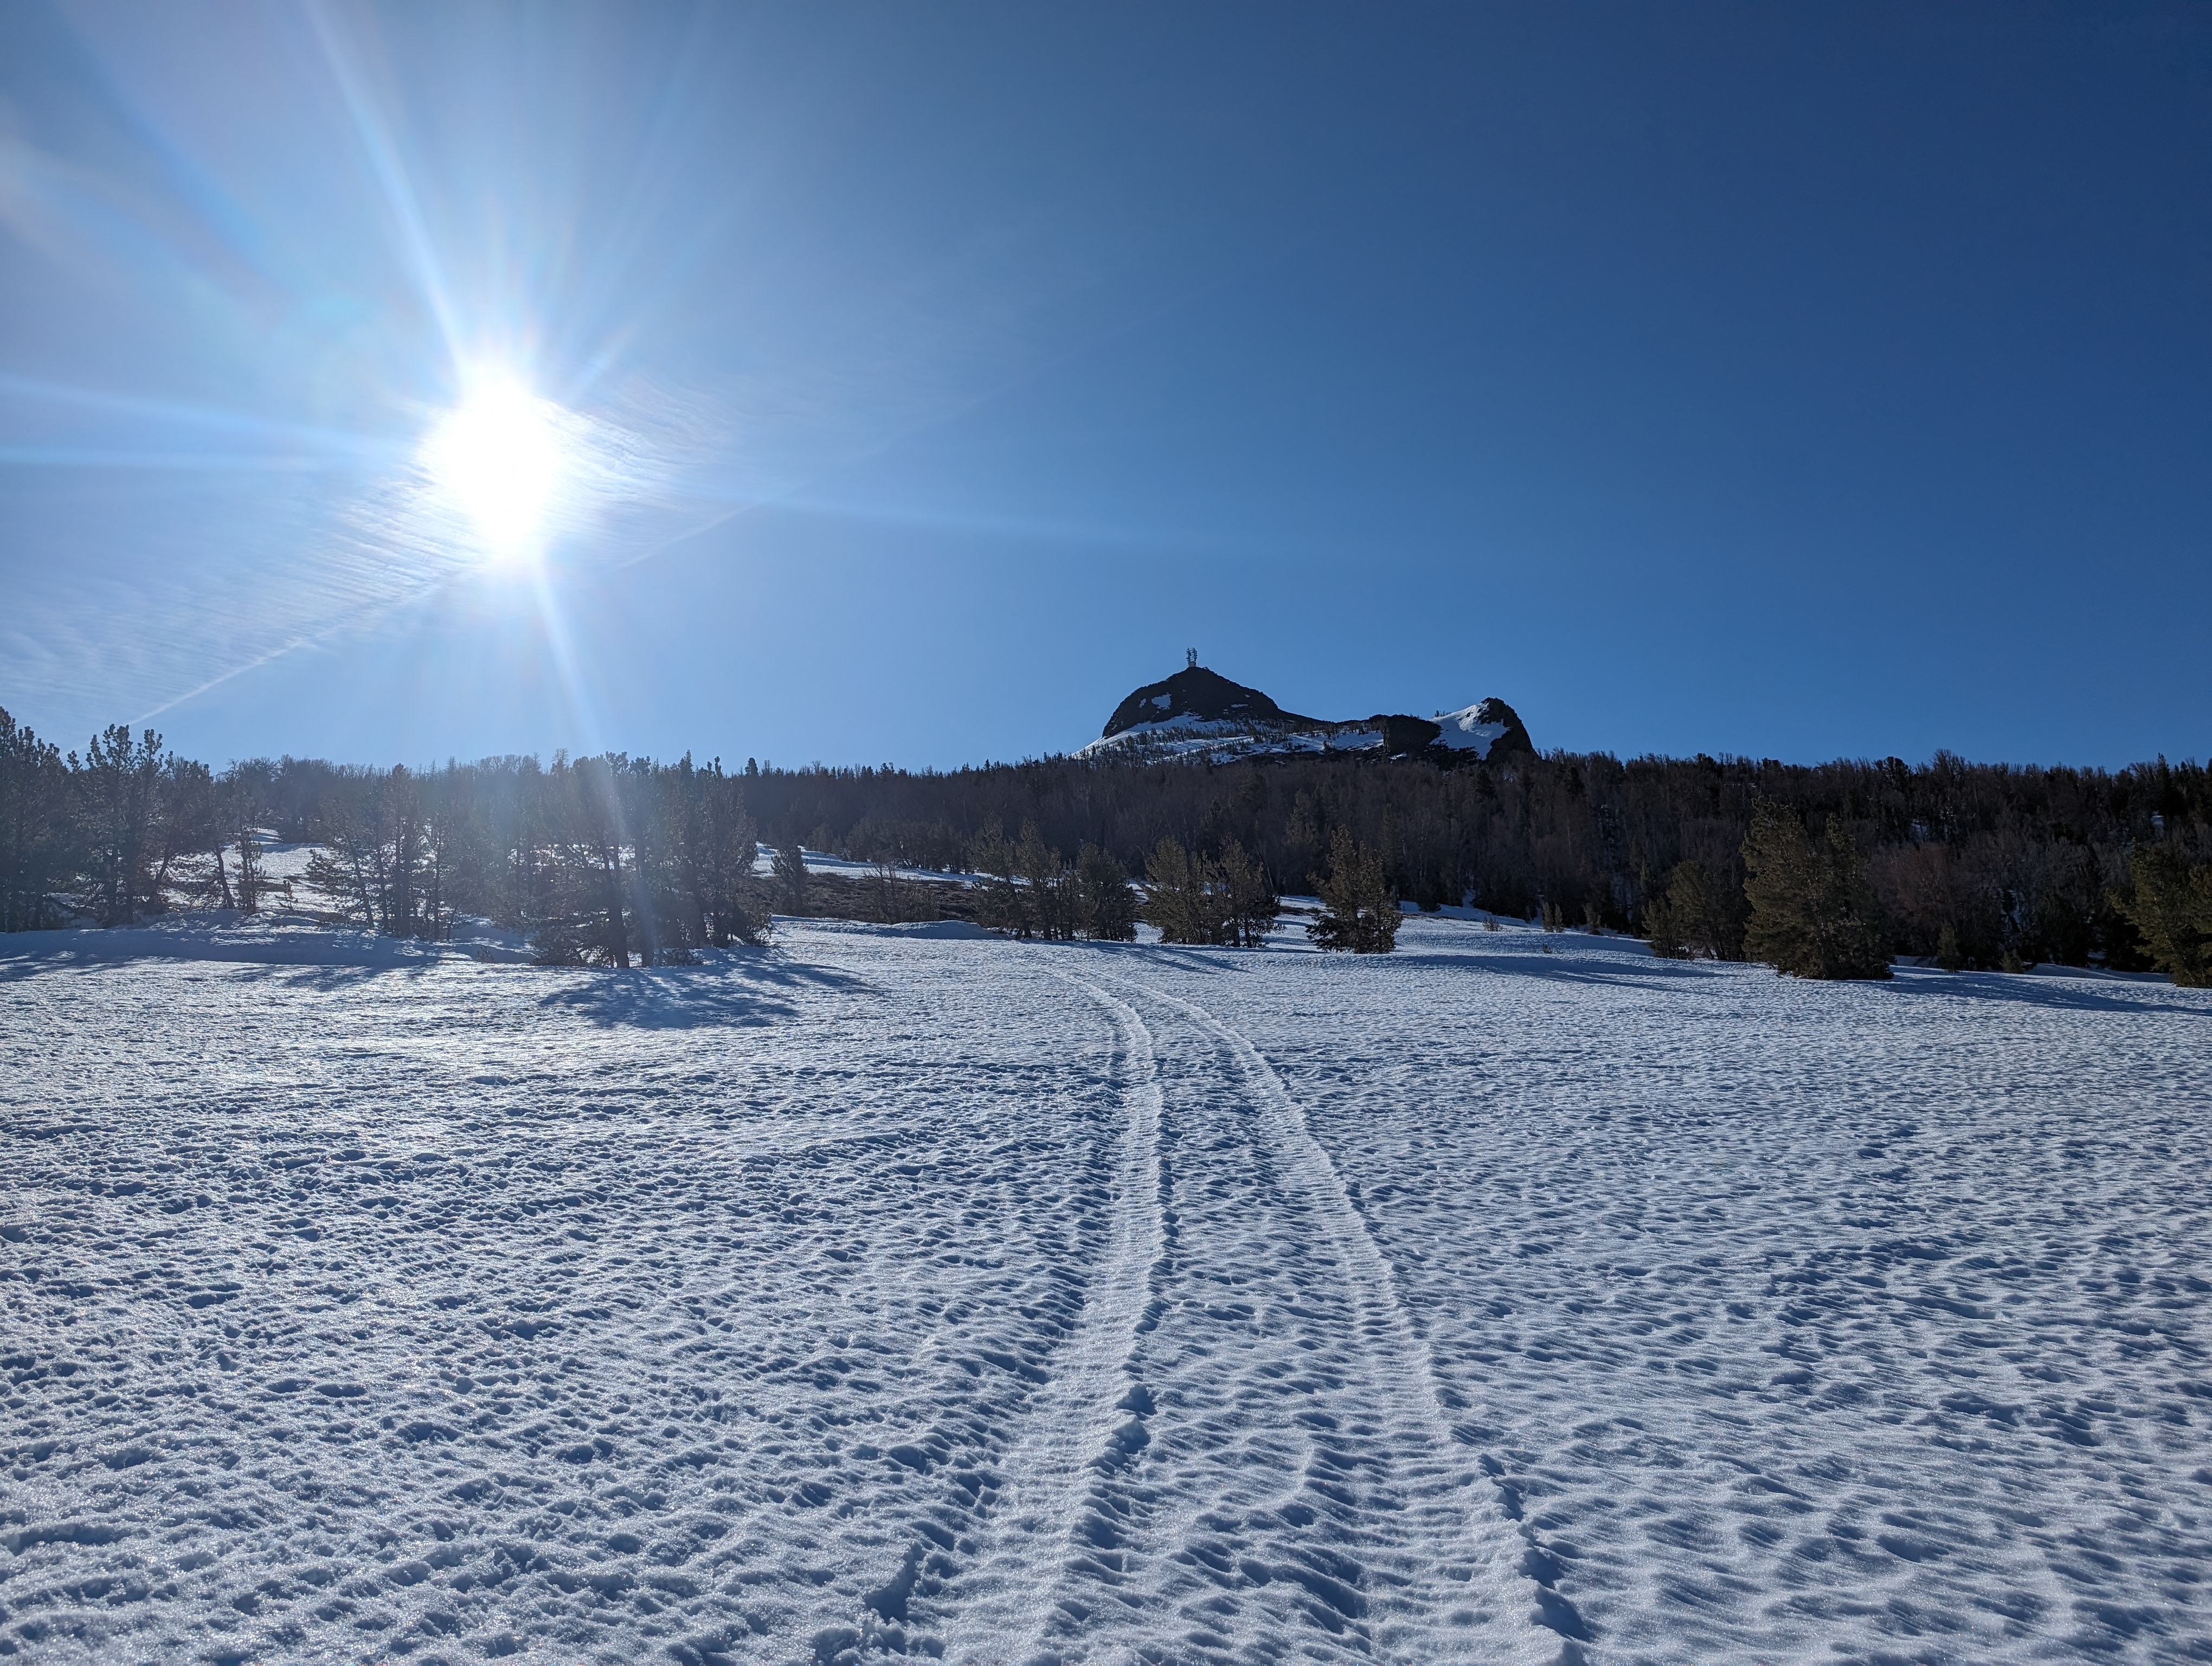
[1044, 1524]
[891, 1294]
[1446, 1570]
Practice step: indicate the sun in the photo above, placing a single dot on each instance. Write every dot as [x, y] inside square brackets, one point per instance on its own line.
[498, 457]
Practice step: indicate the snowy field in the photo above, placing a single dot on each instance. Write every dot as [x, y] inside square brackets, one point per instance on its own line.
[897, 1291]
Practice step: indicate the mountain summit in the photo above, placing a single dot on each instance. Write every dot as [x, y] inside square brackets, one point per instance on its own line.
[1195, 694]
[1201, 715]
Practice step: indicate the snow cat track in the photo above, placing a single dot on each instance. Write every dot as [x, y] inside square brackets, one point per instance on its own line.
[1046, 1519]
[1292, 1485]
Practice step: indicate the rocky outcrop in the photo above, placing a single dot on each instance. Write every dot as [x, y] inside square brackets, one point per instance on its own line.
[1199, 714]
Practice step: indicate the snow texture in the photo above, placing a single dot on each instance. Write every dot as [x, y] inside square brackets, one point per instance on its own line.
[1223, 740]
[1505, 1299]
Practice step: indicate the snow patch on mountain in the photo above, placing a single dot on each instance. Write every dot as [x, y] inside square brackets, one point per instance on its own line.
[1198, 715]
[1476, 728]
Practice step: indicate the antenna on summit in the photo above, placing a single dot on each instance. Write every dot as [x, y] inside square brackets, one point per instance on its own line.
[1191, 659]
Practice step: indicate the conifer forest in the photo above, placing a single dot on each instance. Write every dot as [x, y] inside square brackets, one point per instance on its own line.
[1823, 869]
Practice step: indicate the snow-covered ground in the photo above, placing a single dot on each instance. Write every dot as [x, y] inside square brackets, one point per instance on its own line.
[894, 1289]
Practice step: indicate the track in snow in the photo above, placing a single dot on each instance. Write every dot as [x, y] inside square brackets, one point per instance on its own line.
[885, 1295]
[1301, 1492]
[1089, 1413]
[1447, 1562]
[1272, 1468]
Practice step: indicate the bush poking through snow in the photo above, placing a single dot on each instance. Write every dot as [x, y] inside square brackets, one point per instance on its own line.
[1360, 905]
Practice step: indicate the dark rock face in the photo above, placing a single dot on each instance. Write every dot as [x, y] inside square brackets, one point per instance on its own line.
[1489, 730]
[1403, 736]
[1199, 713]
[1515, 738]
[1202, 695]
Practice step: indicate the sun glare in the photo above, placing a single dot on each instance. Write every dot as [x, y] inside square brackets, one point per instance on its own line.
[498, 456]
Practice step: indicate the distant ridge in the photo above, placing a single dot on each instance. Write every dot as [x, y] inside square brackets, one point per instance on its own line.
[1201, 715]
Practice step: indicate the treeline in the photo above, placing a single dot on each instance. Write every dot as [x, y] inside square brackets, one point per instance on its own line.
[1982, 865]
[1974, 865]
[609, 860]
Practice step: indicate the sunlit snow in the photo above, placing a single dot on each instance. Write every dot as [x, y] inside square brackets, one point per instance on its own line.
[1510, 1299]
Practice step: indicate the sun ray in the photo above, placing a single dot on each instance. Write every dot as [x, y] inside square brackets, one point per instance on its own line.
[366, 446]
[390, 173]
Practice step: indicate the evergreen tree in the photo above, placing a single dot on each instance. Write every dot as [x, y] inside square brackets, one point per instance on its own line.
[33, 834]
[1178, 900]
[791, 886]
[2171, 910]
[1812, 911]
[1948, 953]
[698, 817]
[1049, 889]
[348, 868]
[1697, 915]
[1106, 903]
[1252, 905]
[1360, 906]
[120, 789]
[234, 816]
[1000, 905]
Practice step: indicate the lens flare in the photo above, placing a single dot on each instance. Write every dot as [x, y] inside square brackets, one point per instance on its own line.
[498, 457]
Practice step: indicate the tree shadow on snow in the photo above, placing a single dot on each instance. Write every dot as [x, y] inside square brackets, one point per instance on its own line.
[325, 979]
[2057, 993]
[726, 994]
[1563, 968]
[1127, 957]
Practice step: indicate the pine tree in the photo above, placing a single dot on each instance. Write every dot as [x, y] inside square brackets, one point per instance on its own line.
[33, 796]
[1106, 902]
[1360, 905]
[120, 789]
[2172, 911]
[347, 867]
[1000, 905]
[1175, 895]
[1948, 953]
[1812, 911]
[1253, 907]
[1697, 915]
[1050, 891]
[791, 879]
[712, 845]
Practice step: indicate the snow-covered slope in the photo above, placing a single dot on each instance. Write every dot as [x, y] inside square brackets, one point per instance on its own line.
[888, 1292]
[1198, 714]
[1479, 727]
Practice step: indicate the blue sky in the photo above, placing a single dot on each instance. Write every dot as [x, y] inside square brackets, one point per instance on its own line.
[1788, 381]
